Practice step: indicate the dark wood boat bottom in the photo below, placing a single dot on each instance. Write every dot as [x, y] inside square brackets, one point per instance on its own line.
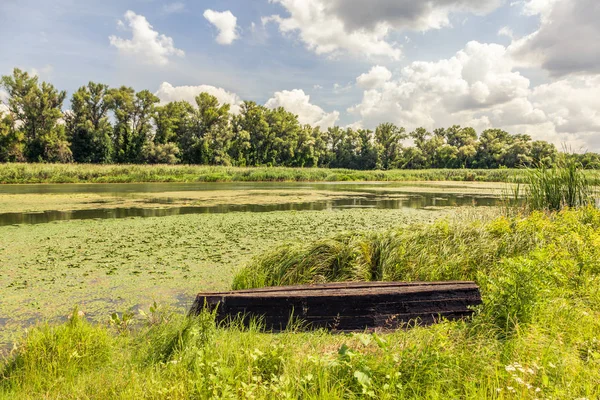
[347, 306]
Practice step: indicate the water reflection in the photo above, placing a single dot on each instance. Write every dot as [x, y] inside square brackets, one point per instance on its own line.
[380, 201]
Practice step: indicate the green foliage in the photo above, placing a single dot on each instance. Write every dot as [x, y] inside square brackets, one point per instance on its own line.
[88, 128]
[565, 185]
[208, 133]
[34, 111]
[48, 354]
[167, 153]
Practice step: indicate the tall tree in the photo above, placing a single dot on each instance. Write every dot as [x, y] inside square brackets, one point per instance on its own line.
[252, 128]
[543, 153]
[464, 140]
[133, 114]
[36, 112]
[209, 136]
[88, 127]
[493, 145]
[367, 152]
[284, 129]
[11, 139]
[388, 139]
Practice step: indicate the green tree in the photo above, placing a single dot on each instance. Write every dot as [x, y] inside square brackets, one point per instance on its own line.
[543, 153]
[11, 139]
[388, 139]
[345, 145]
[209, 136]
[493, 145]
[518, 152]
[252, 134]
[88, 128]
[417, 157]
[160, 153]
[133, 113]
[172, 121]
[367, 152]
[284, 130]
[464, 140]
[36, 112]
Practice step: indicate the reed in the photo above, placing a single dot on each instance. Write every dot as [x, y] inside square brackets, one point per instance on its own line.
[565, 185]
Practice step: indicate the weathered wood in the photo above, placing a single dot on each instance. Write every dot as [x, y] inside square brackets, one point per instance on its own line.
[346, 305]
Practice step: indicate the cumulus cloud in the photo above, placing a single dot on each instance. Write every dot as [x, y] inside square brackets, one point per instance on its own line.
[298, 102]
[226, 23]
[167, 93]
[363, 27]
[376, 77]
[480, 87]
[566, 41]
[406, 14]
[571, 104]
[146, 44]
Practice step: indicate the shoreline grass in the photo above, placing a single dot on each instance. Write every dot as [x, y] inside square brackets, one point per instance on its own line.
[20, 173]
[536, 335]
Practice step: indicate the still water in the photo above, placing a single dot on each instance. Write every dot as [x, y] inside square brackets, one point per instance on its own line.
[356, 195]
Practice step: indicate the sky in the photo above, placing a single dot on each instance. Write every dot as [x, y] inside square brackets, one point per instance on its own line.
[526, 66]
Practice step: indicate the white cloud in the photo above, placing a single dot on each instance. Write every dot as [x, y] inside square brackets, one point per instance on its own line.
[337, 88]
[297, 102]
[506, 31]
[572, 104]
[567, 40]
[146, 43]
[43, 72]
[376, 77]
[480, 87]
[226, 23]
[167, 93]
[173, 8]
[363, 27]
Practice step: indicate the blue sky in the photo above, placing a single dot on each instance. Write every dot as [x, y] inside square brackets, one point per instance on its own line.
[517, 65]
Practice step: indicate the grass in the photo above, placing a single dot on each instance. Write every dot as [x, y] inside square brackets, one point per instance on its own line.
[567, 185]
[85, 173]
[126, 264]
[535, 337]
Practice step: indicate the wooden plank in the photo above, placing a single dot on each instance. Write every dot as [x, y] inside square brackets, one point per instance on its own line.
[345, 305]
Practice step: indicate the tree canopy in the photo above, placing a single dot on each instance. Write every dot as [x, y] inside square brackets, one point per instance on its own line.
[105, 125]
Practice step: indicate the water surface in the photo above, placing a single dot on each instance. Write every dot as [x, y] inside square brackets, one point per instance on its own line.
[348, 195]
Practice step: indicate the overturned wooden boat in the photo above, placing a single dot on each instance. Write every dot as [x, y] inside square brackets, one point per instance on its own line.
[346, 306]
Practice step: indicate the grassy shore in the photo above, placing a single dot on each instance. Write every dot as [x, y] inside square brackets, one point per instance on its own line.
[535, 337]
[85, 173]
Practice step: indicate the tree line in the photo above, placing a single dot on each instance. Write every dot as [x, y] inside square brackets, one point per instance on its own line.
[120, 125]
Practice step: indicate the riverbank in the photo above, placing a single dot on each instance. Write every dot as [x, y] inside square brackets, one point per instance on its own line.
[90, 173]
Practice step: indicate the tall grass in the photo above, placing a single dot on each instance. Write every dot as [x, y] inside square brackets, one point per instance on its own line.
[442, 251]
[86, 173]
[535, 337]
[566, 185]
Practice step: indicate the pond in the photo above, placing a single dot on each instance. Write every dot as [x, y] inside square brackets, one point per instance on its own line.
[35, 204]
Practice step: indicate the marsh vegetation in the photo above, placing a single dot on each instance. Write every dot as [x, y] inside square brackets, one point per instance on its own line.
[534, 337]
